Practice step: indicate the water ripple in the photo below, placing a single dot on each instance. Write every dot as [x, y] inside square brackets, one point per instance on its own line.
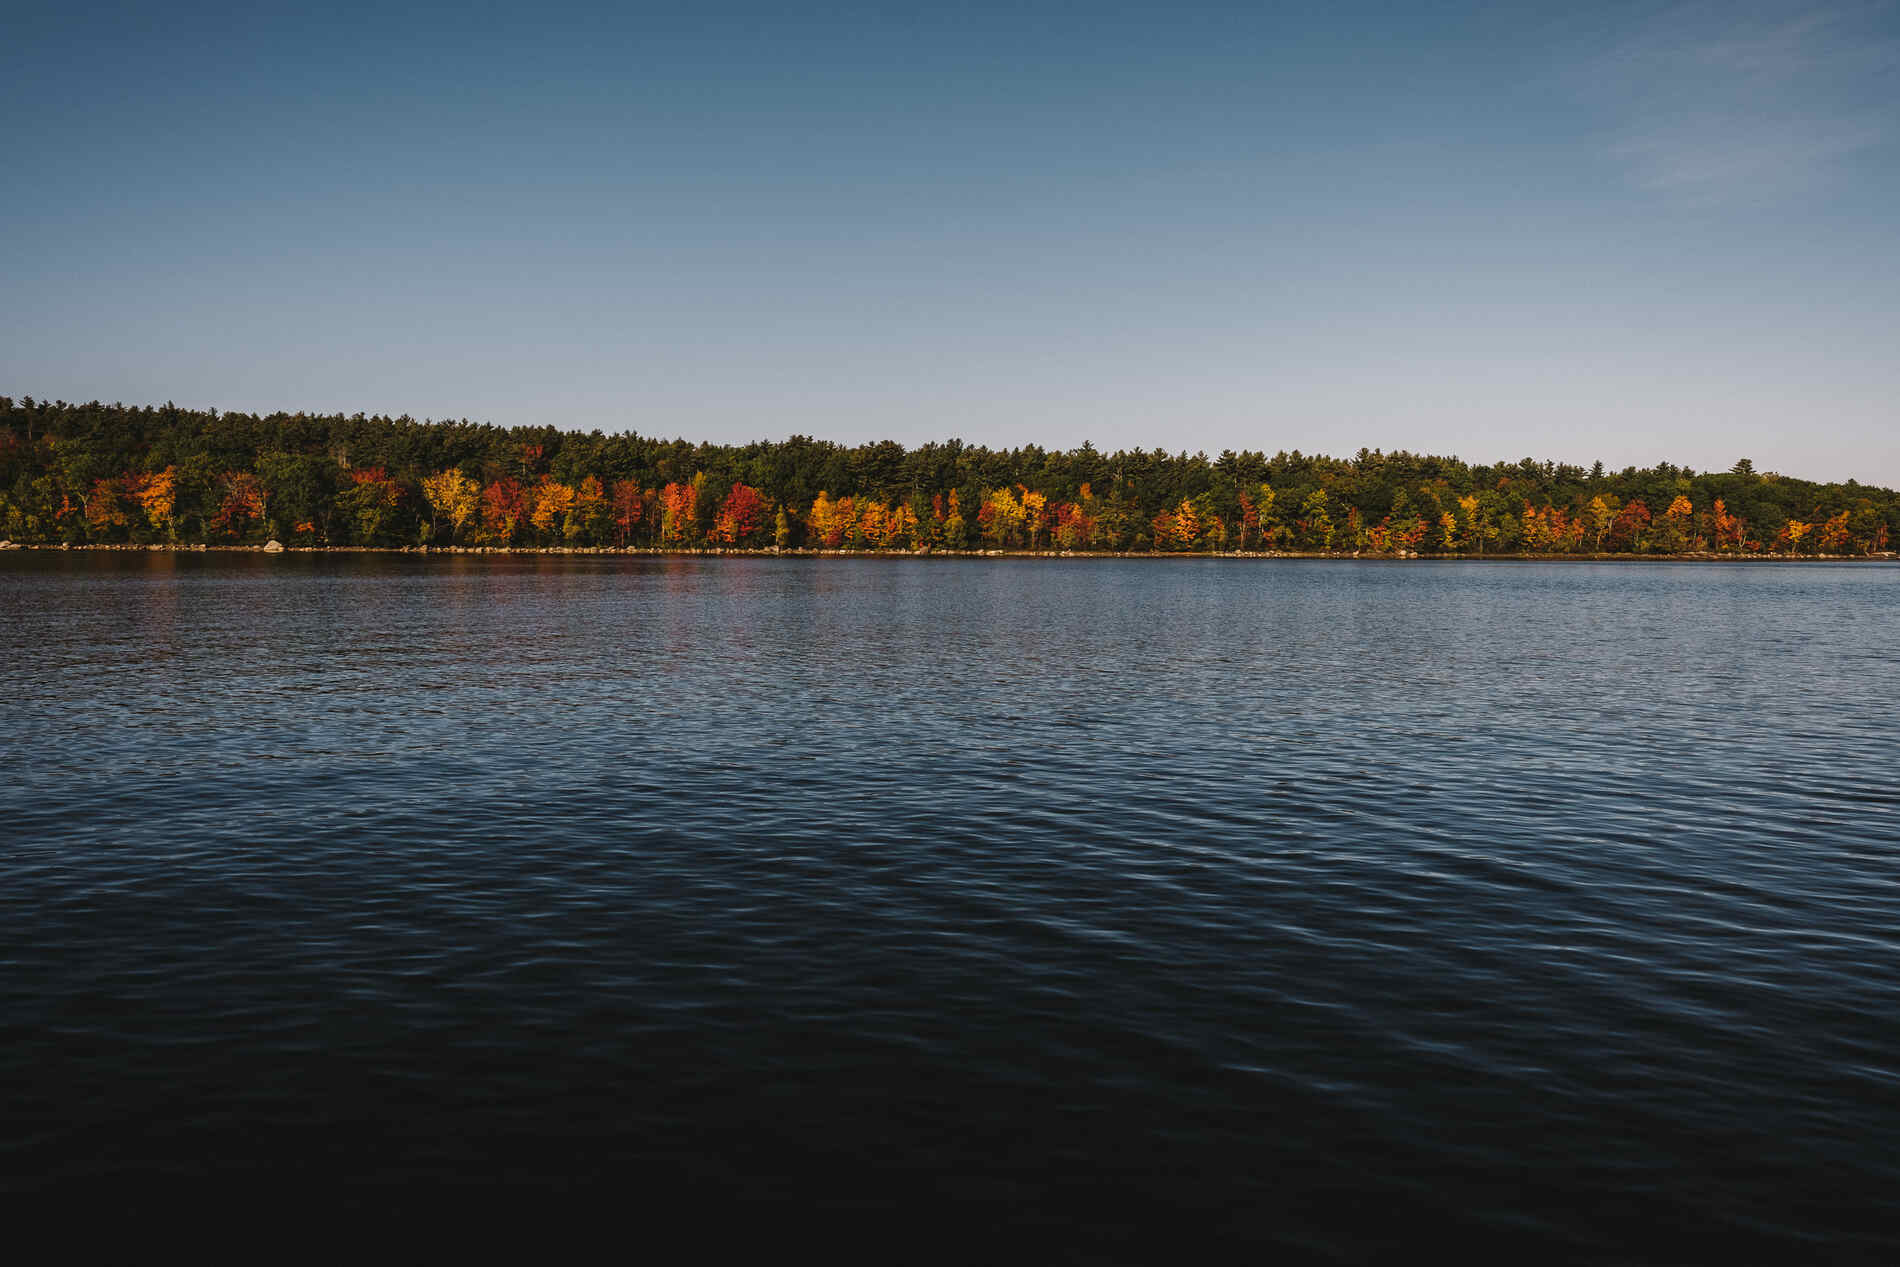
[1325, 905]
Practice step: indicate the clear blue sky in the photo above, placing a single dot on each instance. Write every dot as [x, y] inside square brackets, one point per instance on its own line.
[1624, 231]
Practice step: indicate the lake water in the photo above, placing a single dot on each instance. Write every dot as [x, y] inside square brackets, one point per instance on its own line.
[1106, 903]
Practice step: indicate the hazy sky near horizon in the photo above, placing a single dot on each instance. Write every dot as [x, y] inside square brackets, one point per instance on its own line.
[1626, 231]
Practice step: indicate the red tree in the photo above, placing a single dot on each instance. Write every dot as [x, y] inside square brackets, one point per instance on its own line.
[1630, 525]
[741, 516]
[243, 504]
[629, 504]
[504, 506]
[678, 505]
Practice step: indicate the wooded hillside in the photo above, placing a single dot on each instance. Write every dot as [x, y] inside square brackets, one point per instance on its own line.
[98, 473]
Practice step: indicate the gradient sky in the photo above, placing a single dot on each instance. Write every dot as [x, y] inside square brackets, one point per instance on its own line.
[1634, 232]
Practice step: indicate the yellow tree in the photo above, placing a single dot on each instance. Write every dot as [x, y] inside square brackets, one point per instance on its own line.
[1602, 515]
[1264, 498]
[1187, 525]
[1001, 517]
[1535, 532]
[1177, 529]
[829, 520]
[902, 529]
[552, 501]
[1034, 504]
[157, 493]
[1473, 526]
[1447, 531]
[818, 519]
[872, 523]
[1675, 523]
[955, 531]
[587, 517]
[451, 496]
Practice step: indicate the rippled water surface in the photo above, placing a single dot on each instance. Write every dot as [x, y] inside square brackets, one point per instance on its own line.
[1336, 906]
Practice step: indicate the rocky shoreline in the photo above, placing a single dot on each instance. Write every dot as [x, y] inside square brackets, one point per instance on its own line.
[276, 547]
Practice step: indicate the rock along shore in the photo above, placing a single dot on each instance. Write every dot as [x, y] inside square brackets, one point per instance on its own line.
[274, 547]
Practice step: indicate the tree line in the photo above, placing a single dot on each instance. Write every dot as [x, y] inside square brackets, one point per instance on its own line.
[108, 474]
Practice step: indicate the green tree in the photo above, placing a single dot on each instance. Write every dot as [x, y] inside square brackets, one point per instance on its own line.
[1316, 521]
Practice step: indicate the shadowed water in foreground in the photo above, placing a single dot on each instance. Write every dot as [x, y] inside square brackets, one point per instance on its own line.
[1326, 905]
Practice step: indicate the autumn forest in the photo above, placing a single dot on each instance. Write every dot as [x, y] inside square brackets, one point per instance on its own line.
[114, 474]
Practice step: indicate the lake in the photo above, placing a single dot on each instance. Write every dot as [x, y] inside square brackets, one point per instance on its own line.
[1105, 904]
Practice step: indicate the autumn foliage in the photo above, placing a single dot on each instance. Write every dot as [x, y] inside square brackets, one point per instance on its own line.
[742, 517]
[504, 510]
[241, 510]
[454, 498]
[679, 503]
[98, 473]
[830, 520]
[628, 505]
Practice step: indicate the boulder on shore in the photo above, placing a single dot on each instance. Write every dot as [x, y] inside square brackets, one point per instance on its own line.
[273, 546]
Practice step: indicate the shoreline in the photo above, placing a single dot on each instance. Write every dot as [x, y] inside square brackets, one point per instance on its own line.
[770, 552]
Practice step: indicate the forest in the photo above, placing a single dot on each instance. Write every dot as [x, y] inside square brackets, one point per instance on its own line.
[98, 474]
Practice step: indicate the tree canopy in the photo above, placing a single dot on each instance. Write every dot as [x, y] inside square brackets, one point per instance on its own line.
[105, 474]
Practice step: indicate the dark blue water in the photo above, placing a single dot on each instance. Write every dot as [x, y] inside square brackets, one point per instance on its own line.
[1338, 907]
